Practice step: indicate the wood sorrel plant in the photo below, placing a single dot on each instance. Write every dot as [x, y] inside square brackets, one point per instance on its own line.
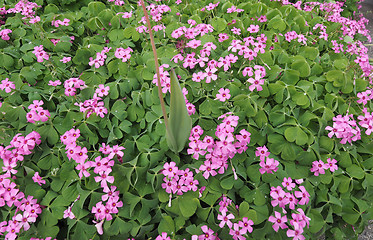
[279, 95]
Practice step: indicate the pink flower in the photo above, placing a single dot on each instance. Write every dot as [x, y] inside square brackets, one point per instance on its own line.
[7, 85]
[256, 83]
[163, 237]
[288, 183]
[68, 213]
[32, 116]
[170, 169]
[262, 152]
[194, 43]
[65, 59]
[104, 177]
[296, 233]
[332, 164]
[253, 28]
[38, 179]
[278, 221]
[102, 90]
[225, 219]
[54, 83]
[191, 108]
[246, 224]
[208, 169]
[318, 167]
[25, 219]
[236, 31]
[223, 94]
[269, 166]
[223, 37]
[237, 233]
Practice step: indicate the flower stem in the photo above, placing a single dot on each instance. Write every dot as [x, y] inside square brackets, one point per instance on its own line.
[156, 64]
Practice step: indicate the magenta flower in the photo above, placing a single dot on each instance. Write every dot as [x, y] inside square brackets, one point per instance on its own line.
[303, 194]
[331, 163]
[170, 169]
[208, 169]
[223, 94]
[225, 219]
[236, 31]
[104, 177]
[163, 237]
[37, 179]
[288, 183]
[102, 90]
[278, 221]
[7, 85]
[318, 167]
[269, 166]
[68, 213]
[237, 233]
[65, 59]
[54, 83]
[296, 233]
[246, 224]
[256, 83]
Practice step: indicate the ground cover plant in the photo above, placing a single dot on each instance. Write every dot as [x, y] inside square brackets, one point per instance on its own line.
[278, 93]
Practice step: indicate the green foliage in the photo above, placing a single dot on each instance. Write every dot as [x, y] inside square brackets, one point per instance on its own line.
[306, 85]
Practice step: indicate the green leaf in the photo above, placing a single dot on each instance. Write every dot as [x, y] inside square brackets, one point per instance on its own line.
[118, 109]
[277, 23]
[219, 24]
[179, 122]
[296, 134]
[355, 171]
[302, 67]
[188, 204]
[317, 221]
[95, 8]
[166, 225]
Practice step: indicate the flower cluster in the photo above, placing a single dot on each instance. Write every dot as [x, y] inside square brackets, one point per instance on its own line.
[102, 167]
[218, 152]
[344, 127]
[156, 13]
[238, 229]
[177, 181]
[24, 7]
[58, 23]
[283, 197]
[256, 77]
[40, 53]
[268, 165]
[7, 85]
[27, 208]
[37, 113]
[319, 167]
[72, 84]
[123, 54]
[100, 58]
[289, 36]
[95, 105]
[250, 46]
[4, 34]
